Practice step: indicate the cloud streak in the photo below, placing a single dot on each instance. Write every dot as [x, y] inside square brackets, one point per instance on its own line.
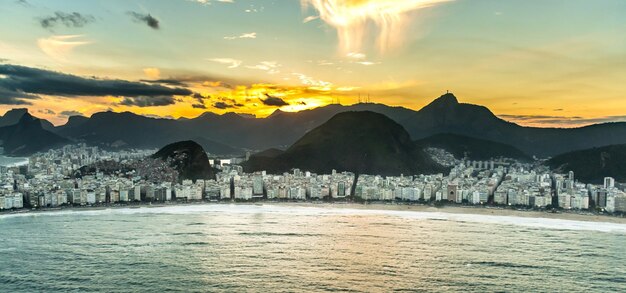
[147, 101]
[145, 18]
[560, 121]
[242, 36]
[232, 63]
[59, 47]
[270, 66]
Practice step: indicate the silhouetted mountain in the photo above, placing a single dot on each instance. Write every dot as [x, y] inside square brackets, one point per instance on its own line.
[447, 115]
[27, 137]
[281, 129]
[217, 148]
[188, 158]
[471, 148]
[361, 142]
[14, 115]
[592, 165]
[73, 121]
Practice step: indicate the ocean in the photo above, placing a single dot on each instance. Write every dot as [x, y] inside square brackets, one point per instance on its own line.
[12, 161]
[285, 248]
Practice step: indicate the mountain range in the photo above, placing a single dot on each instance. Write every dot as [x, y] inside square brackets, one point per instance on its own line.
[232, 133]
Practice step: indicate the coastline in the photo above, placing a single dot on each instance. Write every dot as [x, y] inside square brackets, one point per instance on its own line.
[401, 206]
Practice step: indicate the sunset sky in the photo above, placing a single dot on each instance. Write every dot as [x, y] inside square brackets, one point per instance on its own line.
[534, 62]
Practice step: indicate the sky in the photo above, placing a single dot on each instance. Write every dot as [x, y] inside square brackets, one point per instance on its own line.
[547, 63]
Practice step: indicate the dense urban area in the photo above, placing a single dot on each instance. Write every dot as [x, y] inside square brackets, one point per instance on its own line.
[58, 178]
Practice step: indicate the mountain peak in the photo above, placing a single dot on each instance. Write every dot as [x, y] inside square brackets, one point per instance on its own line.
[276, 112]
[16, 111]
[27, 136]
[447, 99]
[206, 115]
[12, 116]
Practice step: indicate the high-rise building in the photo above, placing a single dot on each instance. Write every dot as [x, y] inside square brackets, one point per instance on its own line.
[257, 185]
[452, 190]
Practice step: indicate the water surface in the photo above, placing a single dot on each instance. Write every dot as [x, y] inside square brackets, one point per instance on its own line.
[282, 248]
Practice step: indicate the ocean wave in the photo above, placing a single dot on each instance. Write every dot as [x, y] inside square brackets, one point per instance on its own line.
[538, 223]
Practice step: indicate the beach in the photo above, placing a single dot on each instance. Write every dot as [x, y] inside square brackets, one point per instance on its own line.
[399, 206]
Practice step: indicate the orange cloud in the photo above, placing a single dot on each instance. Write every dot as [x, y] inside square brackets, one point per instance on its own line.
[152, 72]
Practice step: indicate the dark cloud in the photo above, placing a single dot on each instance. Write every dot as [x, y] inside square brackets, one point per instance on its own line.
[46, 111]
[536, 117]
[198, 106]
[159, 117]
[145, 101]
[223, 105]
[22, 83]
[302, 103]
[205, 81]
[69, 113]
[73, 19]
[173, 82]
[274, 101]
[15, 97]
[145, 18]
[200, 98]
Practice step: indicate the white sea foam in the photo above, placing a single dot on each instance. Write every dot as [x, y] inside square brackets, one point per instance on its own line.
[539, 223]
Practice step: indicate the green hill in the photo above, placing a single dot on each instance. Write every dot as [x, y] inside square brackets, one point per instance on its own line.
[592, 165]
[188, 158]
[362, 142]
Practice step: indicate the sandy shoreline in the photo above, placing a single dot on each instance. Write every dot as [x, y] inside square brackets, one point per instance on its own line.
[478, 210]
[450, 209]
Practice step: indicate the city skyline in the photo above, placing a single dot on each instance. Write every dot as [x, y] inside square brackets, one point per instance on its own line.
[183, 58]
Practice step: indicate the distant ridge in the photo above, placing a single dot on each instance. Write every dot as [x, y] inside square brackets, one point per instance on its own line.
[471, 148]
[280, 130]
